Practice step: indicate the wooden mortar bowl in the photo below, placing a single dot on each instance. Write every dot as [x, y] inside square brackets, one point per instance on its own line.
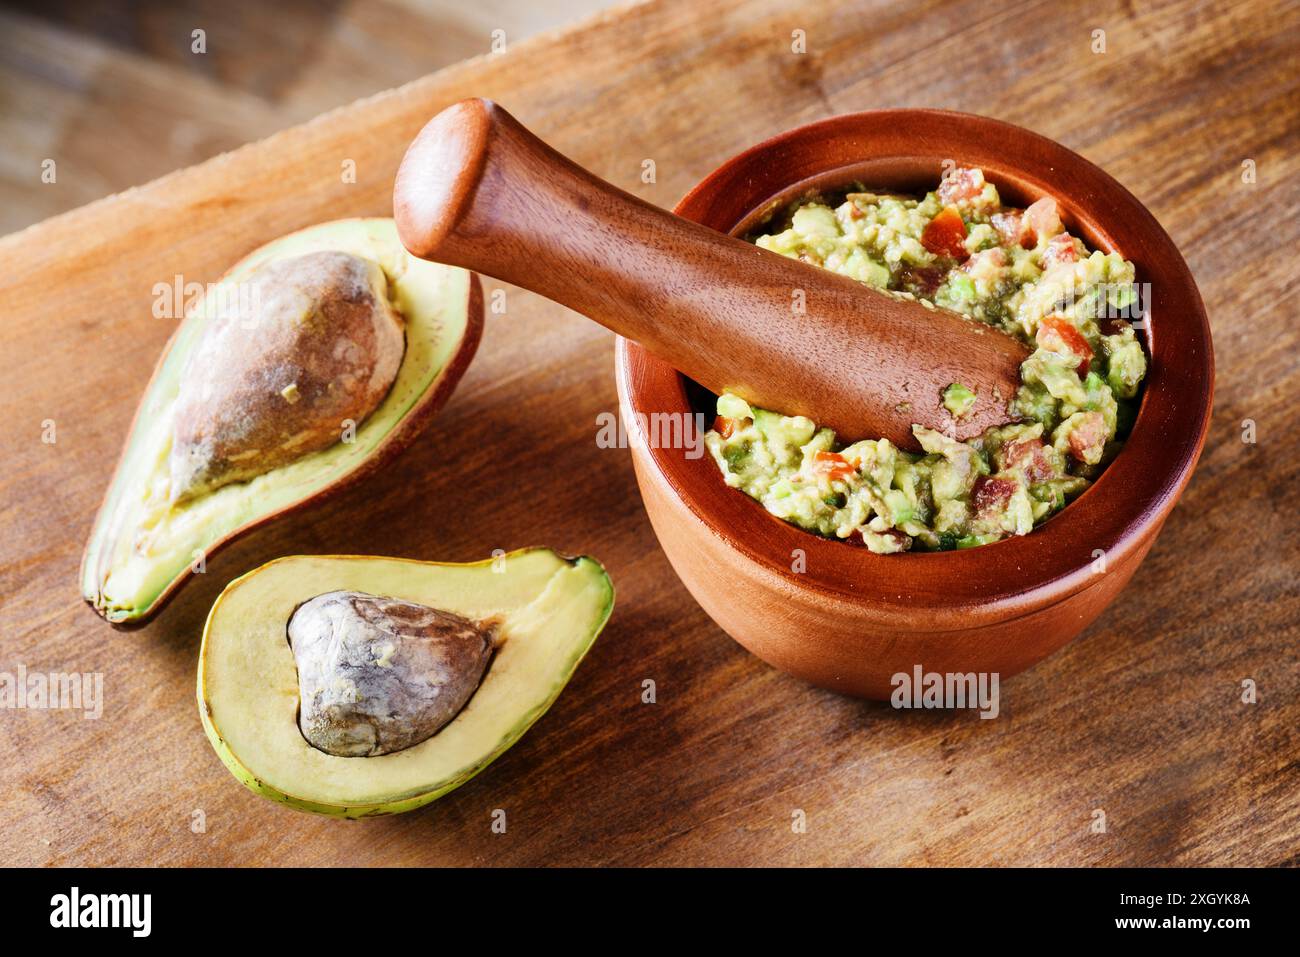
[851, 619]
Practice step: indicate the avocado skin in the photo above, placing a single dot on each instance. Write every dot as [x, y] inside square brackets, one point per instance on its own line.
[403, 802]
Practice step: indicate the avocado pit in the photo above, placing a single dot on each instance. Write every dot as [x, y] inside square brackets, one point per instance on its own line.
[311, 343]
[378, 675]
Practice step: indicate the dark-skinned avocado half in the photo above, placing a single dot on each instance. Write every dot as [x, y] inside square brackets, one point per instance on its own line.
[310, 363]
[354, 686]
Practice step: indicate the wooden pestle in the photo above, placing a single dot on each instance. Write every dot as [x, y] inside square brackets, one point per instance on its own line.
[478, 190]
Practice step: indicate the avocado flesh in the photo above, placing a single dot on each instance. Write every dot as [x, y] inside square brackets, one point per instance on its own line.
[549, 611]
[142, 545]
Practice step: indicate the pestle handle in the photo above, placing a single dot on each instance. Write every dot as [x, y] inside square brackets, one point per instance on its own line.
[478, 190]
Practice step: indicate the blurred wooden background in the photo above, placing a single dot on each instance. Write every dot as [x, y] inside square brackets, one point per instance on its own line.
[113, 91]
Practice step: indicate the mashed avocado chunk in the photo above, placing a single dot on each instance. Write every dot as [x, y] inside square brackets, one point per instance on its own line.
[1018, 270]
[957, 399]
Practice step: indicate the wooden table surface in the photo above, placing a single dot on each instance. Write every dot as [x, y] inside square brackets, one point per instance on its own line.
[1142, 719]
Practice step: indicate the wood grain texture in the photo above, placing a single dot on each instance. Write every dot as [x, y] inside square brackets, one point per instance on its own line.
[1141, 718]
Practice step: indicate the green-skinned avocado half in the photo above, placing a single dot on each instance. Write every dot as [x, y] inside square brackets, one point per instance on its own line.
[355, 687]
[306, 366]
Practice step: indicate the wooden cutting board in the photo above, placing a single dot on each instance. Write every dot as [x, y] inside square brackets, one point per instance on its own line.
[1141, 720]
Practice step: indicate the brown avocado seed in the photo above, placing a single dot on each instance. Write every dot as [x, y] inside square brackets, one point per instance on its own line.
[376, 675]
[310, 344]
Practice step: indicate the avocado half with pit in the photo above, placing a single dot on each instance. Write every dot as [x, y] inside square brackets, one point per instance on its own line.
[356, 652]
[149, 536]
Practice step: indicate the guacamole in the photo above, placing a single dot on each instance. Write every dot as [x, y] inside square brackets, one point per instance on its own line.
[1017, 269]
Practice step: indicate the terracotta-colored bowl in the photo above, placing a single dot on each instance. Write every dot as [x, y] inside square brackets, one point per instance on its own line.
[850, 620]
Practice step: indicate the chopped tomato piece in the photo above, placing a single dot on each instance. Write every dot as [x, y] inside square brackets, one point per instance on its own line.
[901, 539]
[960, 185]
[923, 281]
[1040, 221]
[724, 426]
[1060, 250]
[1057, 334]
[832, 465]
[1088, 437]
[1030, 457]
[1007, 223]
[945, 235]
[991, 494]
